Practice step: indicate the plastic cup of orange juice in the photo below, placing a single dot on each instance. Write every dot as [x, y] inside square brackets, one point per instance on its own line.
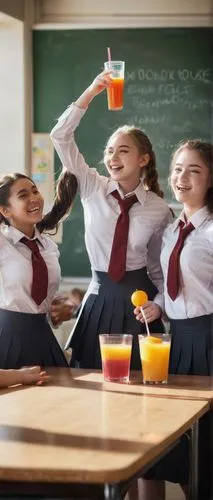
[115, 93]
[154, 354]
[116, 355]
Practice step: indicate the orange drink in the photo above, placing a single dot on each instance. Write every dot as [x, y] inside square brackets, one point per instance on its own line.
[115, 92]
[154, 354]
[116, 355]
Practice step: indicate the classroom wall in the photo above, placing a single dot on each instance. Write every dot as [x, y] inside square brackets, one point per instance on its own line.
[16, 85]
[11, 96]
[116, 13]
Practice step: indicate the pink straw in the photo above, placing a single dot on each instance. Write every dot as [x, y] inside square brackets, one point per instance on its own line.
[109, 57]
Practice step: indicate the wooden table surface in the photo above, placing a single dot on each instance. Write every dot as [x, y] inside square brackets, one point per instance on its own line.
[81, 429]
[179, 386]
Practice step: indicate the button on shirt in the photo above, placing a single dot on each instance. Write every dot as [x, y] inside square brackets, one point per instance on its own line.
[148, 217]
[196, 267]
[16, 271]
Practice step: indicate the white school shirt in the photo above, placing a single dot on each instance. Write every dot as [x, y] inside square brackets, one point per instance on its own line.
[16, 271]
[195, 297]
[148, 218]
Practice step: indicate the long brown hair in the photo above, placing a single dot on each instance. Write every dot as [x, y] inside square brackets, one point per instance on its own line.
[150, 177]
[205, 150]
[65, 193]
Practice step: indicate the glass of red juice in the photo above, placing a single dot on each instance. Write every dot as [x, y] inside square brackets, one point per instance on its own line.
[115, 93]
[116, 355]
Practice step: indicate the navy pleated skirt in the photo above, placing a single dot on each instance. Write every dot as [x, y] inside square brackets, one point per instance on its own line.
[27, 339]
[191, 354]
[109, 310]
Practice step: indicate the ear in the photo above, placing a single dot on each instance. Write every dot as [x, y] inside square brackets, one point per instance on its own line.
[144, 160]
[5, 212]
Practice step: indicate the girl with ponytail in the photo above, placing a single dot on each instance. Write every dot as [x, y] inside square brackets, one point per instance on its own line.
[125, 216]
[29, 270]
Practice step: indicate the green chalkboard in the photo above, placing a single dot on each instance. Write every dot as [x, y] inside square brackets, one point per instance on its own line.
[168, 93]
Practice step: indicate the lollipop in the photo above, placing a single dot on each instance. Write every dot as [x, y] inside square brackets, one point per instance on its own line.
[139, 298]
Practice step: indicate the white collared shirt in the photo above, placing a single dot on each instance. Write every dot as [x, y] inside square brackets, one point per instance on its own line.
[16, 271]
[195, 297]
[148, 218]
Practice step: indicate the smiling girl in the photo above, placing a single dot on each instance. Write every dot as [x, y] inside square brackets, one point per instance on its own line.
[125, 217]
[187, 263]
[29, 271]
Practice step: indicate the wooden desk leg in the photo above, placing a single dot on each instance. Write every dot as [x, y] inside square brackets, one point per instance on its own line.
[193, 480]
[111, 492]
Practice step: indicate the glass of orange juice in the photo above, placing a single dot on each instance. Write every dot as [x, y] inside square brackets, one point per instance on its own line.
[154, 354]
[116, 355]
[115, 93]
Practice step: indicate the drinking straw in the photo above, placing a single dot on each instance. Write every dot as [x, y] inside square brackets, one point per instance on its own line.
[144, 317]
[109, 58]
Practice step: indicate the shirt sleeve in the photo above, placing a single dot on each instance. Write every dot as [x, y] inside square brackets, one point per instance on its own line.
[153, 259]
[62, 136]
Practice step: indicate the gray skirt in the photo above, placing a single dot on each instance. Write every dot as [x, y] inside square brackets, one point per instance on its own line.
[27, 339]
[191, 349]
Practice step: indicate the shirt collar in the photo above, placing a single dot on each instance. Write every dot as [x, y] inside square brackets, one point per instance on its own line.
[196, 219]
[139, 191]
[15, 235]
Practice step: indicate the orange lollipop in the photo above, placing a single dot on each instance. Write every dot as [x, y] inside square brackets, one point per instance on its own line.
[139, 298]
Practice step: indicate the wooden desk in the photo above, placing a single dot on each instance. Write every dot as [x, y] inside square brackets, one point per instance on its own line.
[79, 429]
[179, 386]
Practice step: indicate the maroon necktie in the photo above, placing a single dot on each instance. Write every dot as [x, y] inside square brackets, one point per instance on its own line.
[173, 281]
[40, 272]
[117, 264]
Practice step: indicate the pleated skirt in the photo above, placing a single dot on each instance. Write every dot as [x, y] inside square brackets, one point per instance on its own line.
[108, 309]
[27, 339]
[191, 354]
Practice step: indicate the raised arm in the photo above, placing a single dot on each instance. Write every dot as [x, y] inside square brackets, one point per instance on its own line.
[62, 134]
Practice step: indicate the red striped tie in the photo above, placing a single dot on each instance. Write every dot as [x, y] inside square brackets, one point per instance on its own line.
[40, 272]
[117, 264]
[173, 277]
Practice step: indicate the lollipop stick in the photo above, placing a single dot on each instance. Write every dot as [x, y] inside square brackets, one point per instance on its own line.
[144, 317]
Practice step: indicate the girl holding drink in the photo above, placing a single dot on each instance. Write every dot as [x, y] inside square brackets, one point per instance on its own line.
[187, 264]
[30, 271]
[125, 217]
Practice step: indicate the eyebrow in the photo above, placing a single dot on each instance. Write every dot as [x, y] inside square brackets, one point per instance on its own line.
[22, 191]
[121, 146]
[190, 165]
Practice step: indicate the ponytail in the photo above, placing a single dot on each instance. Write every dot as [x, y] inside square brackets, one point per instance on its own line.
[150, 179]
[65, 193]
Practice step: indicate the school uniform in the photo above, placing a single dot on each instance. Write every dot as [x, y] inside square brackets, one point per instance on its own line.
[106, 307]
[191, 312]
[25, 334]
[191, 324]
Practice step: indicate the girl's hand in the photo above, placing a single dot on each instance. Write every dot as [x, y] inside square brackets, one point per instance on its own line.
[62, 309]
[100, 83]
[33, 375]
[151, 310]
